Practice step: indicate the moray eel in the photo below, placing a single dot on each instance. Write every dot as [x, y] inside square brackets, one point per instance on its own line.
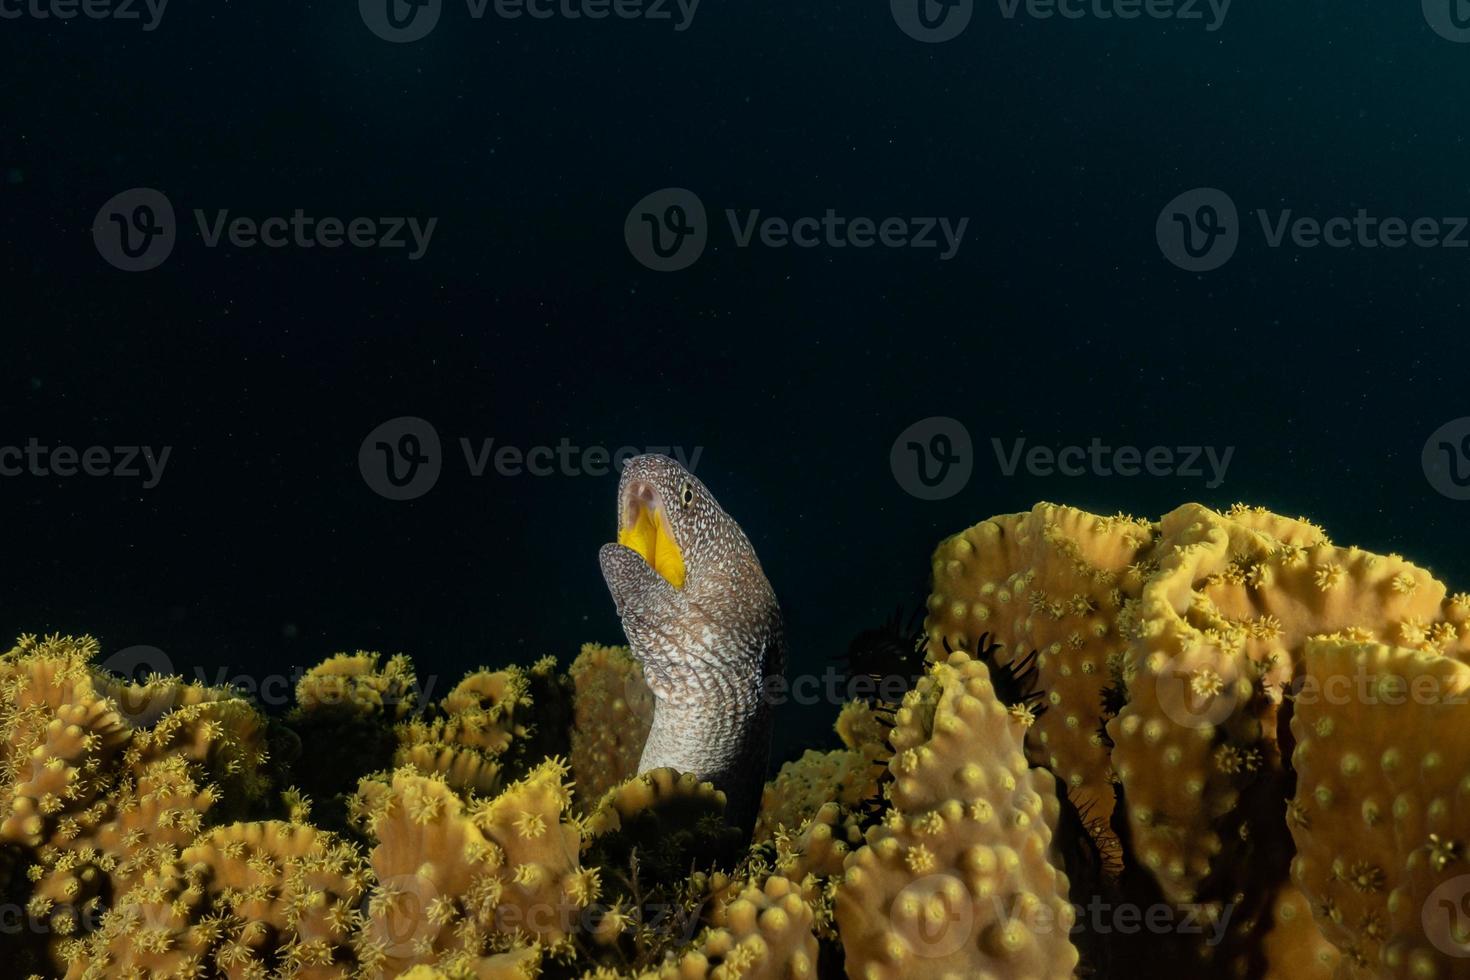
[704, 624]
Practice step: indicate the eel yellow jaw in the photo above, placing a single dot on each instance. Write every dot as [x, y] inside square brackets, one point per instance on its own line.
[645, 528]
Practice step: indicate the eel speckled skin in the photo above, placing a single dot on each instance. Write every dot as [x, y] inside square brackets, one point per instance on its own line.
[708, 647]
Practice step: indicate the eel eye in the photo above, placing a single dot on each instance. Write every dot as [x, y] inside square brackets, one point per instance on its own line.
[687, 497]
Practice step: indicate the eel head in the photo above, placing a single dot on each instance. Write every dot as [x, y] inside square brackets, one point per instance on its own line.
[681, 573]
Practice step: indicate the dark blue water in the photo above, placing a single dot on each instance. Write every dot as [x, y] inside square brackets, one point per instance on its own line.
[527, 320]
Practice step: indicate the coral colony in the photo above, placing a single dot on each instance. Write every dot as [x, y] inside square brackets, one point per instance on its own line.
[1213, 745]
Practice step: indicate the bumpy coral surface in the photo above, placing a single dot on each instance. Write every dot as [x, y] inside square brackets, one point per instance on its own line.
[614, 711]
[957, 881]
[355, 684]
[241, 901]
[1222, 629]
[1295, 948]
[765, 933]
[802, 787]
[456, 883]
[1382, 806]
[1245, 737]
[1168, 656]
[1056, 580]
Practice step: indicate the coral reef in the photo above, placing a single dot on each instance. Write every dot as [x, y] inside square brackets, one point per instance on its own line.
[1171, 655]
[957, 880]
[614, 711]
[244, 900]
[1216, 744]
[1382, 804]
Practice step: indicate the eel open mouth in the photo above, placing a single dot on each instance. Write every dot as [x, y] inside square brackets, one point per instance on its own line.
[643, 525]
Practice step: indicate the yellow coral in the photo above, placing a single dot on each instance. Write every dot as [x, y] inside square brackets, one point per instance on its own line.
[429, 860]
[1190, 629]
[1169, 656]
[672, 820]
[469, 736]
[1221, 628]
[455, 882]
[239, 899]
[1294, 948]
[764, 934]
[1055, 580]
[956, 881]
[843, 776]
[96, 800]
[354, 684]
[531, 826]
[1382, 809]
[519, 964]
[614, 711]
[862, 729]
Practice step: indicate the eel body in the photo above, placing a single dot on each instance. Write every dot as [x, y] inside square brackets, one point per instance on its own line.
[704, 624]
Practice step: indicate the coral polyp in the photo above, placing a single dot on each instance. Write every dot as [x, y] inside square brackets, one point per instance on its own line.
[1216, 744]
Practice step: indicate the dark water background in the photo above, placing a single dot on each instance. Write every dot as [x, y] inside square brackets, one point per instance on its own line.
[529, 321]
